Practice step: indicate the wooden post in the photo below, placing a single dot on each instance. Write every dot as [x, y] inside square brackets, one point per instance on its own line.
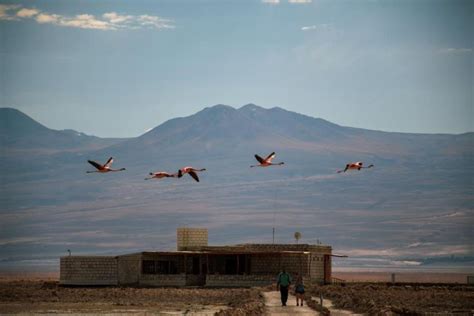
[237, 264]
[185, 263]
[200, 265]
[310, 258]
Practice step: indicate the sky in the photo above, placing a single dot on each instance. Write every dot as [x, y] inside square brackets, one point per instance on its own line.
[119, 68]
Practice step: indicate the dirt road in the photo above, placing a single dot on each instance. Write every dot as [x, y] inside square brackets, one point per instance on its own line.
[273, 305]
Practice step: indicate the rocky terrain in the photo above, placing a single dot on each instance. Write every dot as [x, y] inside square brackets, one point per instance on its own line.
[47, 296]
[39, 296]
[398, 299]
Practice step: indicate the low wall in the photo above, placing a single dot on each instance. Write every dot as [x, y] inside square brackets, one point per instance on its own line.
[222, 280]
[88, 270]
[163, 279]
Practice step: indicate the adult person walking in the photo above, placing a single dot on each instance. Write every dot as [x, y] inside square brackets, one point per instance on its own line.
[283, 284]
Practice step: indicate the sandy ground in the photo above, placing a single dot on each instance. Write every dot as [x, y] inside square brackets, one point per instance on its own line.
[273, 305]
[327, 303]
[348, 276]
[381, 298]
[19, 294]
[27, 297]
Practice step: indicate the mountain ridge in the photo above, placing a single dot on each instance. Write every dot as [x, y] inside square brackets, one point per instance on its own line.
[20, 131]
[244, 108]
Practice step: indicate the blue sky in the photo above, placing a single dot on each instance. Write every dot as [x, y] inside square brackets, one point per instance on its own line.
[118, 68]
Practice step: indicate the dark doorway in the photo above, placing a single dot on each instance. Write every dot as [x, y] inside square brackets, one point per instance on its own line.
[196, 264]
[231, 265]
[244, 264]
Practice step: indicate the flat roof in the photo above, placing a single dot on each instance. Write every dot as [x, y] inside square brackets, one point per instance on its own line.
[256, 249]
[224, 252]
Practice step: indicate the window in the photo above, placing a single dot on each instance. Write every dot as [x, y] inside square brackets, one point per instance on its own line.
[148, 267]
[159, 267]
[162, 267]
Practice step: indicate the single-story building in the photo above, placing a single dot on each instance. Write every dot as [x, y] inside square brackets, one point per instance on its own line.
[197, 264]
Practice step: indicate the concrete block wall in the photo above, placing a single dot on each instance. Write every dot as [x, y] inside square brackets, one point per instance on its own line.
[191, 238]
[195, 280]
[129, 269]
[327, 250]
[317, 267]
[264, 264]
[295, 263]
[88, 270]
[163, 279]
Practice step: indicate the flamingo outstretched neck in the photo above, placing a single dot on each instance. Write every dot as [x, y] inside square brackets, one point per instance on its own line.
[161, 174]
[355, 166]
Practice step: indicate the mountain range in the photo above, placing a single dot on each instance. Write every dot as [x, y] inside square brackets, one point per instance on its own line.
[415, 203]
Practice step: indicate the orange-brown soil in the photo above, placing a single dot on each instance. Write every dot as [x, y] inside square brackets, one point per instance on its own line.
[403, 299]
[48, 296]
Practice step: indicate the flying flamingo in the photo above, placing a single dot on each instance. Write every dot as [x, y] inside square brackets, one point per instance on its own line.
[267, 161]
[161, 174]
[191, 171]
[355, 166]
[103, 168]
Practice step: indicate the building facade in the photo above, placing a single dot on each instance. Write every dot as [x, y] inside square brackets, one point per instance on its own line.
[197, 264]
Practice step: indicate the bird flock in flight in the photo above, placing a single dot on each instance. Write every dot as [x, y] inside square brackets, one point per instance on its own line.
[262, 162]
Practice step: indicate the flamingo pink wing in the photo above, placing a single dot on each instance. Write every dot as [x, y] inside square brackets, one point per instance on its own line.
[109, 162]
[270, 157]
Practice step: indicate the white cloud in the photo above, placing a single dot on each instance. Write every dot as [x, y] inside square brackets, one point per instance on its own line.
[271, 1]
[85, 21]
[115, 18]
[321, 27]
[27, 13]
[154, 21]
[108, 21]
[452, 50]
[309, 28]
[425, 250]
[5, 10]
[47, 18]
